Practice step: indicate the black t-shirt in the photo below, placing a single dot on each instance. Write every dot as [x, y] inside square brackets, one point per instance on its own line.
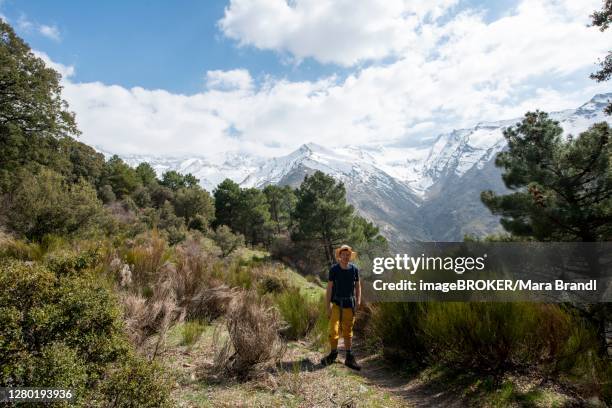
[344, 281]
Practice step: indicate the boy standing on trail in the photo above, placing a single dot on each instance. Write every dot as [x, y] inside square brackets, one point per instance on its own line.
[343, 297]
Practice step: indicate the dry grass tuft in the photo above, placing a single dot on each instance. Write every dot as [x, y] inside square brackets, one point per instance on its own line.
[193, 270]
[253, 344]
[4, 238]
[148, 316]
[211, 303]
[163, 286]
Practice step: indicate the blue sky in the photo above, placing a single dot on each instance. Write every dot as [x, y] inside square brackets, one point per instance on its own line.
[161, 44]
[152, 44]
[264, 76]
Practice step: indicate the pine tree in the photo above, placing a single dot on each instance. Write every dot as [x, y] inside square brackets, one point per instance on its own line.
[121, 177]
[563, 192]
[146, 173]
[192, 202]
[281, 201]
[322, 215]
[227, 196]
[252, 218]
[175, 180]
[563, 189]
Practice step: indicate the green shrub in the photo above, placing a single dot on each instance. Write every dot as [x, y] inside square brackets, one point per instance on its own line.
[15, 358]
[60, 366]
[579, 361]
[395, 330]
[175, 234]
[487, 337]
[320, 330]
[106, 194]
[39, 309]
[171, 225]
[18, 249]
[300, 312]
[316, 280]
[198, 223]
[90, 320]
[272, 284]
[252, 261]
[227, 240]
[53, 242]
[191, 332]
[496, 335]
[63, 262]
[239, 276]
[141, 197]
[45, 203]
[66, 330]
[133, 382]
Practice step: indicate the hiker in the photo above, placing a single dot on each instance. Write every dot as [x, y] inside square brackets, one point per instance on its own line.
[343, 297]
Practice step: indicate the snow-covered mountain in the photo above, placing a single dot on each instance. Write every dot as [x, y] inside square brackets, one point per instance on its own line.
[351, 165]
[382, 198]
[425, 193]
[457, 152]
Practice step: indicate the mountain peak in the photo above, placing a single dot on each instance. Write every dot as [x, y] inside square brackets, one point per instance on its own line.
[596, 104]
[311, 147]
[601, 98]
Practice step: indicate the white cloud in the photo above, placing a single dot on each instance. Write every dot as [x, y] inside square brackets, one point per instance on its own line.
[51, 32]
[331, 31]
[551, 100]
[144, 121]
[227, 80]
[477, 71]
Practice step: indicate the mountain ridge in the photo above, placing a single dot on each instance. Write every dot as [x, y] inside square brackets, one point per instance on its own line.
[406, 191]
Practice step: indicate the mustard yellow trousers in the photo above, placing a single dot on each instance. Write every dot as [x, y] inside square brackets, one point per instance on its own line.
[341, 320]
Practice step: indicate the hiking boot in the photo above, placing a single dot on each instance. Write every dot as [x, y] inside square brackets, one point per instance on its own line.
[330, 358]
[351, 362]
